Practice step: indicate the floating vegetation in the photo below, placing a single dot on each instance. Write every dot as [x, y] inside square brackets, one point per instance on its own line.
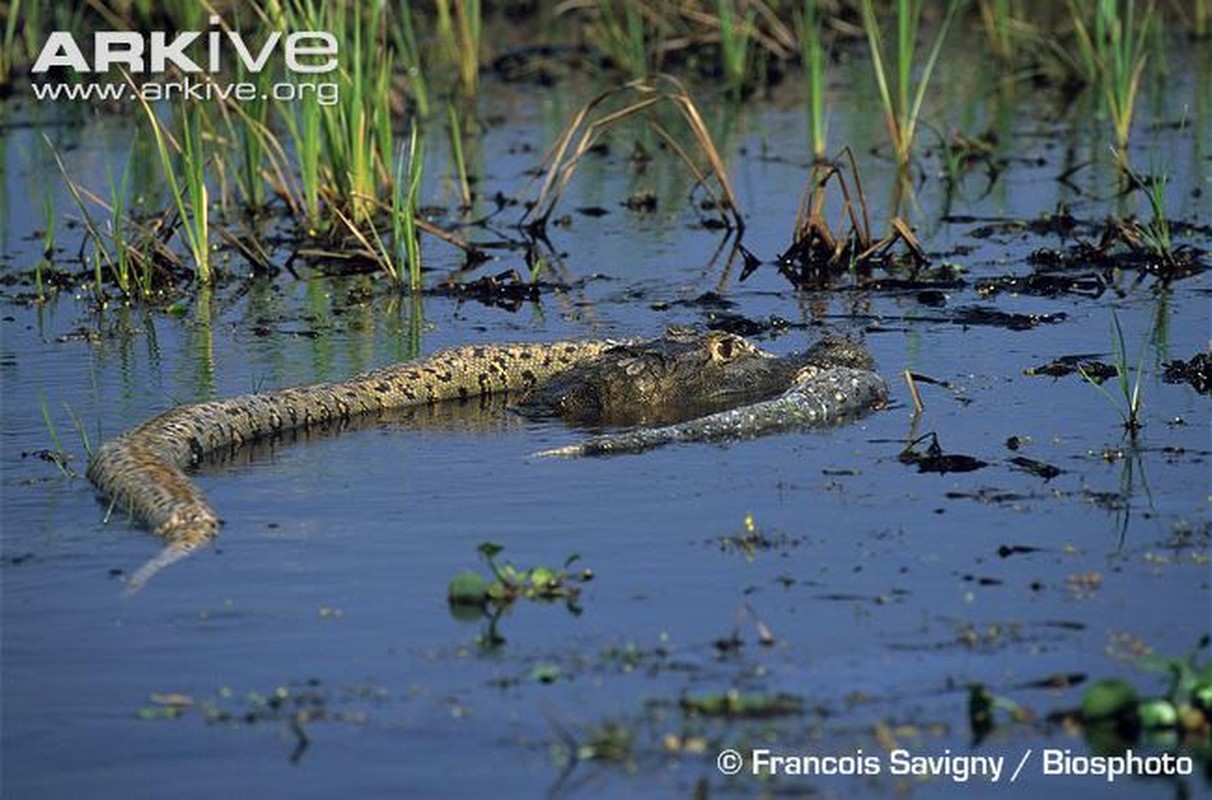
[492, 597]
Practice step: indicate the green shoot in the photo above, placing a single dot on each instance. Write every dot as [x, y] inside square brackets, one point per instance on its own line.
[407, 213]
[1129, 388]
[1112, 52]
[48, 245]
[902, 111]
[406, 45]
[7, 52]
[191, 199]
[736, 39]
[456, 148]
[812, 50]
[622, 39]
[56, 455]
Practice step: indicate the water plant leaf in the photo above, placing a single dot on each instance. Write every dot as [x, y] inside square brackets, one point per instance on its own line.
[467, 588]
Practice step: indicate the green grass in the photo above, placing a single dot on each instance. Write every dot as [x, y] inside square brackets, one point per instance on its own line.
[812, 51]
[460, 162]
[997, 16]
[405, 37]
[737, 53]
[900, 96]
[1111, 46]
[459, 34]
[621, 35]
[1131, 400]
[8, 53]
[405, 205]
[189, 193]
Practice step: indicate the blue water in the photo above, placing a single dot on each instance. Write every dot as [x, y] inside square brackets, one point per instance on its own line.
[335, 553]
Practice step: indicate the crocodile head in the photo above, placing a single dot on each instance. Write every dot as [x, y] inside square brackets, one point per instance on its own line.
[683, 375]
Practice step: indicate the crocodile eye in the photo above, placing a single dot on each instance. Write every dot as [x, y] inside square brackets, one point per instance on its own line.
[724, 350]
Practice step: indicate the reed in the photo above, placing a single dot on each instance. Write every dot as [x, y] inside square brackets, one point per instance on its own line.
[1123, 56]
[460, 162]
[405, 38]
[736, 48]
[405, 206]
[459, 33]
[809, 26]
[900, 96]
[112, 250]
[48, 246]
[621, 34]
[604, 111]
[1131, 399]
[997, 17]
[303, 123]
[8, 53]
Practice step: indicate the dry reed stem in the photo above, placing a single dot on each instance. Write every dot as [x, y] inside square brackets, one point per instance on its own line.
[561, 165]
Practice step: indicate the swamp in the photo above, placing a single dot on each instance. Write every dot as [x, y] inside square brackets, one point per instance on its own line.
[1000, 575]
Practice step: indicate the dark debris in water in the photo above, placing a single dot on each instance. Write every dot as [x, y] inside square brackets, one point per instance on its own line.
[1086, 363]
[985, 316]
[506, 290]
[1039, 469]
[1197, 372]
[933, 459]
[1044, 284]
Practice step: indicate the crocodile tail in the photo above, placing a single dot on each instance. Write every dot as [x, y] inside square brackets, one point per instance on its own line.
[168, 556]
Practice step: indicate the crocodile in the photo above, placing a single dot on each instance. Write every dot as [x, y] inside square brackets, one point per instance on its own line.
[669, 385]
[833, 383]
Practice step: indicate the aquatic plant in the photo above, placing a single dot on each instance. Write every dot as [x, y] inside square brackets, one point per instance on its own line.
[809, 26]
[404, 207]
[304, 126]
[997, 16]
[462, 46]
[48, 245]
[509, 584]
[902, 109]
[128, 262]
[1129, 388]
[736, 47]
[597, 115]
[405, 38]
[622, 36]
[819, 248]
[1112, 48]
[189, 194]
[8, 53]
[456, 150]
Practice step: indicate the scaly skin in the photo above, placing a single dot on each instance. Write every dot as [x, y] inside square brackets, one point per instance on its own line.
[820, 397]
[143, 469]
[588, 381]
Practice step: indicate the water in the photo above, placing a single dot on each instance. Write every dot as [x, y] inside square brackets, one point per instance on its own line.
[883, 587]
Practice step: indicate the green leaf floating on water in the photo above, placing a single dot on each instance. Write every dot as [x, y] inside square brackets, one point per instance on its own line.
[1155, 714]
[1108, 699]
[467, 589]
[742, 705]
